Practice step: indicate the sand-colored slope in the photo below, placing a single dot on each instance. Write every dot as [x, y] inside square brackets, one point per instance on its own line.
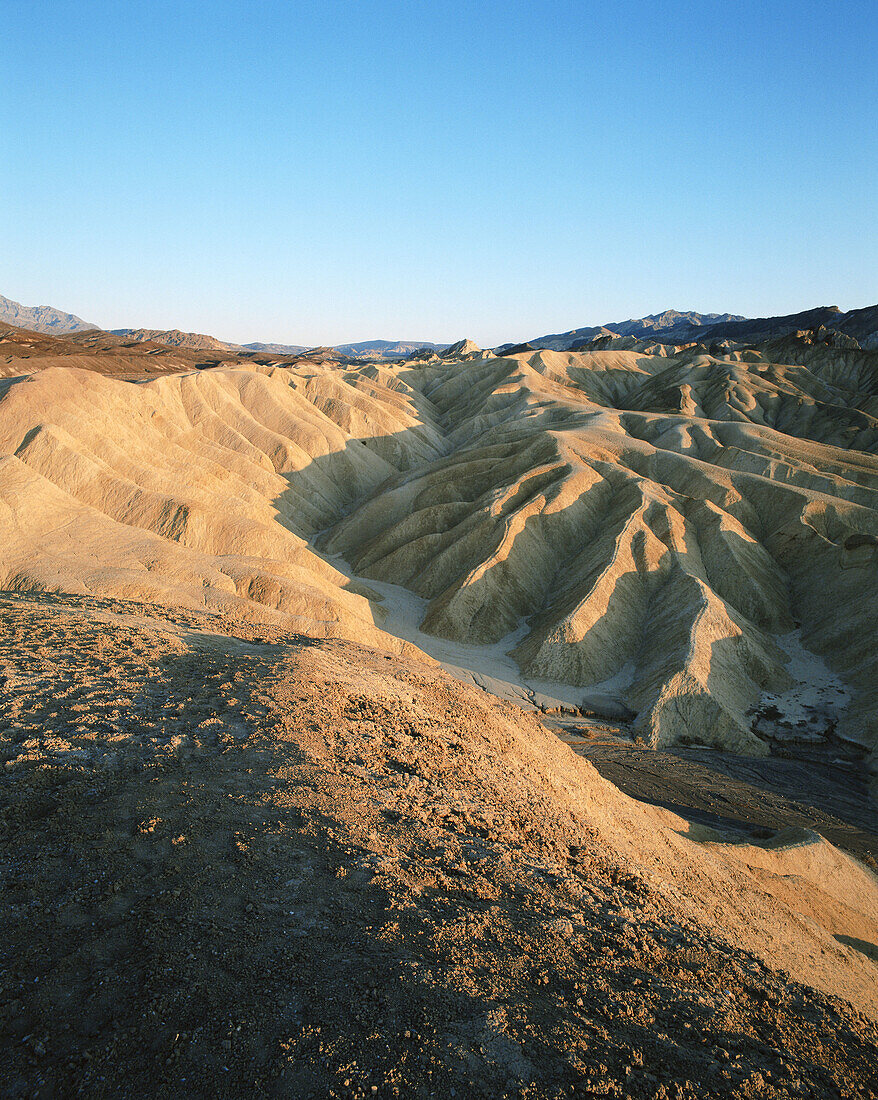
[196, 489]
[638, 523]
[679, 541]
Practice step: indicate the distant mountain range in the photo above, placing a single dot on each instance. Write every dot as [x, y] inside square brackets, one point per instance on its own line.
[57, 323]
[671, 321]
[41, 318]
[386, 349]
[861, 324]
[367, 349]
[174, 338]
[277, 349]
[670, 327]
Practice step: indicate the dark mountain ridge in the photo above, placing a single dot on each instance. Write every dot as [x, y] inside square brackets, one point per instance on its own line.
[673, 327]
[669, 321]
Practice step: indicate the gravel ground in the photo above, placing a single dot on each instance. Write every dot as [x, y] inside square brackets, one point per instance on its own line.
[263, 866]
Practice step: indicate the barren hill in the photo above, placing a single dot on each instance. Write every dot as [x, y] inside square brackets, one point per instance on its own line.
[367, 349]
[386, 349]
[130, 357]
[40, 318]
[176, 339]
[279, 349]
[23, 351]
[245, 862]
[261, 842]
[669, 323]
[672, 327]
[860, 323]
[673, 532]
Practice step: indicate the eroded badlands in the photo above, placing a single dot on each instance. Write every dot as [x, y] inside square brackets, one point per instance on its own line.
[257, 842]
[650, 528]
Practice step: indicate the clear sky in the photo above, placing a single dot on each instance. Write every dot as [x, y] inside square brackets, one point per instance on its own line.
[353, 169]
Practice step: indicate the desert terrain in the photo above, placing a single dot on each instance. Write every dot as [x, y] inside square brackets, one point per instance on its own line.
[493, 723]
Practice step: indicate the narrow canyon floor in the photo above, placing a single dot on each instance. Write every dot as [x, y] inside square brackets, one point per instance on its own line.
[240, 862]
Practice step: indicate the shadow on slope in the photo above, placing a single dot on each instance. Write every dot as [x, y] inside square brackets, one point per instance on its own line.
[300, 884]
[748, 795]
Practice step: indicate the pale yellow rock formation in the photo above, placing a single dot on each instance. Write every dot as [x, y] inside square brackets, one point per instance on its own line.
[651, 521]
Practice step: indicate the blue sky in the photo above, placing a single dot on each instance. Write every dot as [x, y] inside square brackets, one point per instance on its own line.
[353, 169]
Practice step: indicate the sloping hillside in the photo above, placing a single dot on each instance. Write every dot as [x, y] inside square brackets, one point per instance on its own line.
[41, 318]
[244, 863]
[668, 531]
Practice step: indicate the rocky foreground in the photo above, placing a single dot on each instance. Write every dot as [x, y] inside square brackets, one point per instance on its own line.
[241, 863]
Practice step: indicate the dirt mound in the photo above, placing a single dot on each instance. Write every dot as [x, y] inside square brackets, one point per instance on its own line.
[248, 864]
